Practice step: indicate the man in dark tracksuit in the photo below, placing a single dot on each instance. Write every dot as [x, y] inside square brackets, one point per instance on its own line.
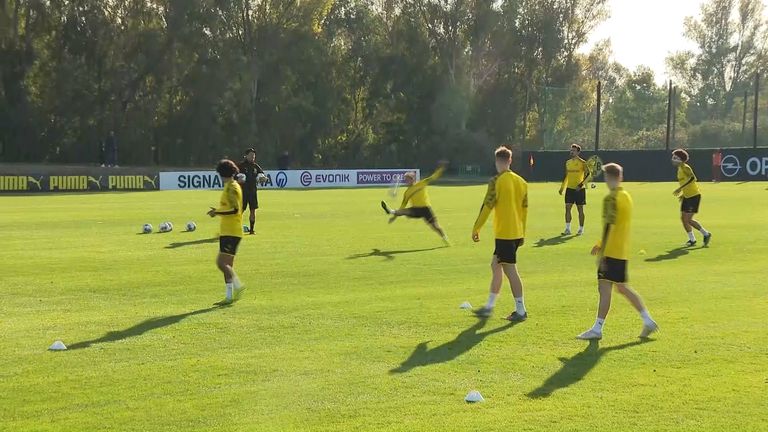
[254, 176]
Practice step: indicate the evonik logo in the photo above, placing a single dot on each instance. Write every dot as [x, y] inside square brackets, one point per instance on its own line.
[306, 178]
[730, 166]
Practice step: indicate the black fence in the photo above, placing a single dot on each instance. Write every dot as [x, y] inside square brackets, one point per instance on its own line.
[653, 165]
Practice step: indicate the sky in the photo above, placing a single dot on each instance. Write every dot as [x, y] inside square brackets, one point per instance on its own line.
[645, 32]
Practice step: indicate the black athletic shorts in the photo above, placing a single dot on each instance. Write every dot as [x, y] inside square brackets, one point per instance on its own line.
[690, 205]
[506, 251]
[250, 198]
[421, 213]
[228, 244]
[615, 271]
[578, 197]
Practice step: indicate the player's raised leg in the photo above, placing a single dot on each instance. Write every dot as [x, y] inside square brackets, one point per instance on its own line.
[649, 325]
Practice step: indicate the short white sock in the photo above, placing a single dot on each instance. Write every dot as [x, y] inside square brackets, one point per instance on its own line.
[491, 300]
[568, 226]
[646, 317]
[229, 287]
[691, 237]
[598, 327]
[519, 306]
[581, 229]
[704, 231]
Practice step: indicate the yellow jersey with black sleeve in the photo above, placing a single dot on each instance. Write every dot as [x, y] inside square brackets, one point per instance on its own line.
[231, 199]
[576, 173]
[417, 192]
[617, 216]
[688, 181]
[507, 197]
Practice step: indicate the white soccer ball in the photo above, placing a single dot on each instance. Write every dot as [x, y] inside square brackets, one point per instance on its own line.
[170, 226]
[163, 227]
[146, 229]
[240, 178]
[261, 177]
[191, 226]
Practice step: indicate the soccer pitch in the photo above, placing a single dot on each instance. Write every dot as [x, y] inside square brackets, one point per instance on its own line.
[349, 323]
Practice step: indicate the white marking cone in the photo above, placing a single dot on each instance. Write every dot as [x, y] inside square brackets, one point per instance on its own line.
[474, 396]
[58, 346]
[465, 305]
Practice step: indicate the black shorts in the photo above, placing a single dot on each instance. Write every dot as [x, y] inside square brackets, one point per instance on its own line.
[690, 205]
[228, 244]
[615, 271]
[421, 213]
[250, 198]
[506, 251]
[578, 197]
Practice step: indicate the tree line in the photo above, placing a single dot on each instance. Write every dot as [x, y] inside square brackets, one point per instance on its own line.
[340, 83]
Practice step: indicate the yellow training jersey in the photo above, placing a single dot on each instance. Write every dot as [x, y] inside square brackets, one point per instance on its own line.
[507, 196]
[417, 192]
[617, 214]
[231, 199]
[575, 173]
[685, 174]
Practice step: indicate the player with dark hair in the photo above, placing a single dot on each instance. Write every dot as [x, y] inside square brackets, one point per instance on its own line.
[254, 176]
[507, 198]
[231, 233]
[690, 197]
[421, 208]
[613, 253]
[576, 176]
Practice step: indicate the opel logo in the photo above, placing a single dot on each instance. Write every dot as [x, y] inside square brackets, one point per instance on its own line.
[281, 180]
[730, 166]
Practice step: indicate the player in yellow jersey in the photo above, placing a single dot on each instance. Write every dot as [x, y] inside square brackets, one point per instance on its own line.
[507, 198]
[576, 177]
[421, 208]
[230, 211]
[613, 253]
[690, 197]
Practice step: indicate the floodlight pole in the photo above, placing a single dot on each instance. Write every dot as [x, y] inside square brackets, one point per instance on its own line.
[754, 114]
[599, 109]
[669, 114]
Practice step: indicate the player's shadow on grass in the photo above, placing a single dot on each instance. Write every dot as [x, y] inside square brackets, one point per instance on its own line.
[553, 241]
[464, 342]
[574, 369]
[390, 255]
[142, 327]
[192, 243]
[671, 254]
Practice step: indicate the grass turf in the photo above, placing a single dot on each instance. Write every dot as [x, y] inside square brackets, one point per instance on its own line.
[350, 324]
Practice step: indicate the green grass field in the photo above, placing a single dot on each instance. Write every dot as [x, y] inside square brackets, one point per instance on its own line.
[351, 324]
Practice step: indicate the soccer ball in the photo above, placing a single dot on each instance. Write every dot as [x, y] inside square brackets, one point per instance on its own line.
[191, 226]
[246, 229]
[166, 227]
[594, 185]
[261, 178]
[170, 226]
[146, 229]
[240, 178]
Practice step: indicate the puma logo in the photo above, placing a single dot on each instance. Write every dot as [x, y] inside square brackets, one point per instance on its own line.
[151, 181]
[95, 181]
[37, 182]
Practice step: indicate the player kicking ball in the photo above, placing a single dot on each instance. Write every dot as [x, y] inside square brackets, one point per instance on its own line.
[507, 198]
[231, 213]
[690, 197]
[416, 194]
[577, 175]
[613, 253]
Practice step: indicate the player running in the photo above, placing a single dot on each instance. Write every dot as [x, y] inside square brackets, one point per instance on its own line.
[576, 176]
[254, 176]
[417, 195]
[507, 197]
[690, 199]
[231, 214]
[613, 253]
